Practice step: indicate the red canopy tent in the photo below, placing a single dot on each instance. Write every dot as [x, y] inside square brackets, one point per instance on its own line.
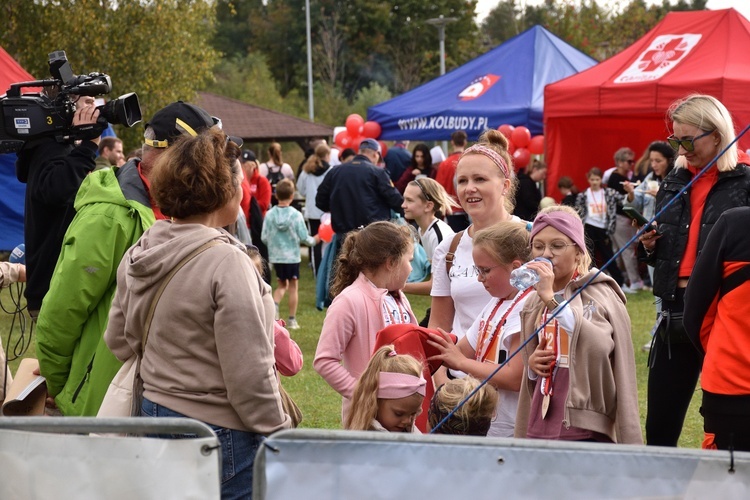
[623, 100]
[12, 72]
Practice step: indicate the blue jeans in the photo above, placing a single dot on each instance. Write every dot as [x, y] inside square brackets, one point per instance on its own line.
[238, 449]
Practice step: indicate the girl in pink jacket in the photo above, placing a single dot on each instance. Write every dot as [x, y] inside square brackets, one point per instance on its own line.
[372, 269]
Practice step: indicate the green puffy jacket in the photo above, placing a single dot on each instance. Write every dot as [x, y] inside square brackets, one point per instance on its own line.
[113, 211]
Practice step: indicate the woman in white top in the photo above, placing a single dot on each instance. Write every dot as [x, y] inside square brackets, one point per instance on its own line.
[486, 186]
[313, 172]
[275, 164]
[426, 203]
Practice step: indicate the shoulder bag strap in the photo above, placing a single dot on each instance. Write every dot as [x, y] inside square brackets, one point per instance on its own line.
[164, 284]
[452, 252]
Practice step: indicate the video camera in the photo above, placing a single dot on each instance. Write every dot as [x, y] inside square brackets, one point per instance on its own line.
[50, 113]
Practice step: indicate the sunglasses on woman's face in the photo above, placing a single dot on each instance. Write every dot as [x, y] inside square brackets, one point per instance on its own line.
[687, 144]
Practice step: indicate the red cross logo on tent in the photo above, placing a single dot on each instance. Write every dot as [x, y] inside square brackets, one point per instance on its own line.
[653, 59]
[663, 53]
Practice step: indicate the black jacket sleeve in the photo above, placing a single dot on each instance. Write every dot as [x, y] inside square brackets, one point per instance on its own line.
[323, 197]
[387, 191]
[55, 172]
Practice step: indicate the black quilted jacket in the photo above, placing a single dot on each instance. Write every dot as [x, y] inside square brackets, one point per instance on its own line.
[732, 189]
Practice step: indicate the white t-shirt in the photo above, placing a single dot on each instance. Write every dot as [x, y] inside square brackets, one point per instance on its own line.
[596, 209]
[286, 170]
[436, 233]
[507, 404]
[468, 294]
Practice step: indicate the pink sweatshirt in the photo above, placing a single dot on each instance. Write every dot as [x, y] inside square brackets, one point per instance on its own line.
[349, 329]
[286, 351]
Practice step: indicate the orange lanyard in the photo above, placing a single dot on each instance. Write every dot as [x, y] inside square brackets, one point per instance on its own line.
[481, 353]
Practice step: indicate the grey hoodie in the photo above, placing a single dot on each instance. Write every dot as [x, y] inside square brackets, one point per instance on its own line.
[209, 353]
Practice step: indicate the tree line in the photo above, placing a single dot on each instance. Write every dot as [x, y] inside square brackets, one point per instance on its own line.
[363, 52]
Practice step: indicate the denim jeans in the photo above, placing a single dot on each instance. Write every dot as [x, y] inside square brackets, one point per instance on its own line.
[238, 449]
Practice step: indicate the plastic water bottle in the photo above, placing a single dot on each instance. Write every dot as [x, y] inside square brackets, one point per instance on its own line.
[18, 255]
[524, 277]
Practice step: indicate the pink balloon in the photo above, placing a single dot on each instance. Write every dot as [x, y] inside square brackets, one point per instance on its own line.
[371, 130]
[521, 157]
[521, 137]
[536, 146]
[506, 130]
[354, 124]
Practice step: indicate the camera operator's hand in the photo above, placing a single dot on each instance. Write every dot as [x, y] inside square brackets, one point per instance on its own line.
[87, 115]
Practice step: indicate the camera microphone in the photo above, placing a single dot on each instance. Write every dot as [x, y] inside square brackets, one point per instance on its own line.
[18, 255]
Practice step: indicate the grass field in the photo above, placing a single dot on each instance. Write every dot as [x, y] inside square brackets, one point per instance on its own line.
[321, 405]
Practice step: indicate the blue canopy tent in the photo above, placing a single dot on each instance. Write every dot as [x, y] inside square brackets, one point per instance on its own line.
[505, 85]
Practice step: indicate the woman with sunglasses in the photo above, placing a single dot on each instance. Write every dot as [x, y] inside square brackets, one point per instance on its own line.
[580, 384]
[486, 186]
[702, 128]
[421, 166]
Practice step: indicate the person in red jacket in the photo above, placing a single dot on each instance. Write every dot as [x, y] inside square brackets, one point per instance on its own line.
[254, 185]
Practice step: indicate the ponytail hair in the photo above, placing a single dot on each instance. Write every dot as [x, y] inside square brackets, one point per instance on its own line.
[367, 249]
[364, 404]
[432, 190]
[317, 158]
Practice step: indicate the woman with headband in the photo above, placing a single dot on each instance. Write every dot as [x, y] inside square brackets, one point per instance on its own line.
[580, 384]
[702, 128]
[486, 186]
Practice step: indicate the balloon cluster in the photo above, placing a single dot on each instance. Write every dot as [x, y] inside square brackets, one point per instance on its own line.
[357, 130]
[521, 145]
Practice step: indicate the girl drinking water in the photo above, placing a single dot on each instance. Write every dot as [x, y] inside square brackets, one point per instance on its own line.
[372, 269]
[388, 395]
[495, 333]
[580, 384]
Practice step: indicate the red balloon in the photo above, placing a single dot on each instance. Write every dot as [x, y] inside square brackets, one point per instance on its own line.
[506, 130]
[383, 148]
[521, 137]
[521, 157]
[511, 148]
[536, 146]
[325, 230]
[355, 142]
[371, 130]
[342, 139]
[354, 124]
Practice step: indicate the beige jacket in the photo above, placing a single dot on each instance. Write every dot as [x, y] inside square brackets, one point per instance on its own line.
[603, 392]
[9, 273]
[210, 347]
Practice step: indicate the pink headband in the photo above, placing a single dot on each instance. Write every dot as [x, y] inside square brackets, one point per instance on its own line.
[568, 224]
[491, 154]
[399, 385]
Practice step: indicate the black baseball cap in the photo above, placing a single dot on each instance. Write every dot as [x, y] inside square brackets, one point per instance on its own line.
[180, 118]
[248, 155]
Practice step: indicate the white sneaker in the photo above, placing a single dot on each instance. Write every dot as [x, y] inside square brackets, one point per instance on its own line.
[292, 324]
[627, 289]
[637, 286]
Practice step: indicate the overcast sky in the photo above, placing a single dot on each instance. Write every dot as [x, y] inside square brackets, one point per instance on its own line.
[743, 6]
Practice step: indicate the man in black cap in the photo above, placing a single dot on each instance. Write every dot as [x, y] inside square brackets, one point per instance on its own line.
[113, 208]
[359, 192]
